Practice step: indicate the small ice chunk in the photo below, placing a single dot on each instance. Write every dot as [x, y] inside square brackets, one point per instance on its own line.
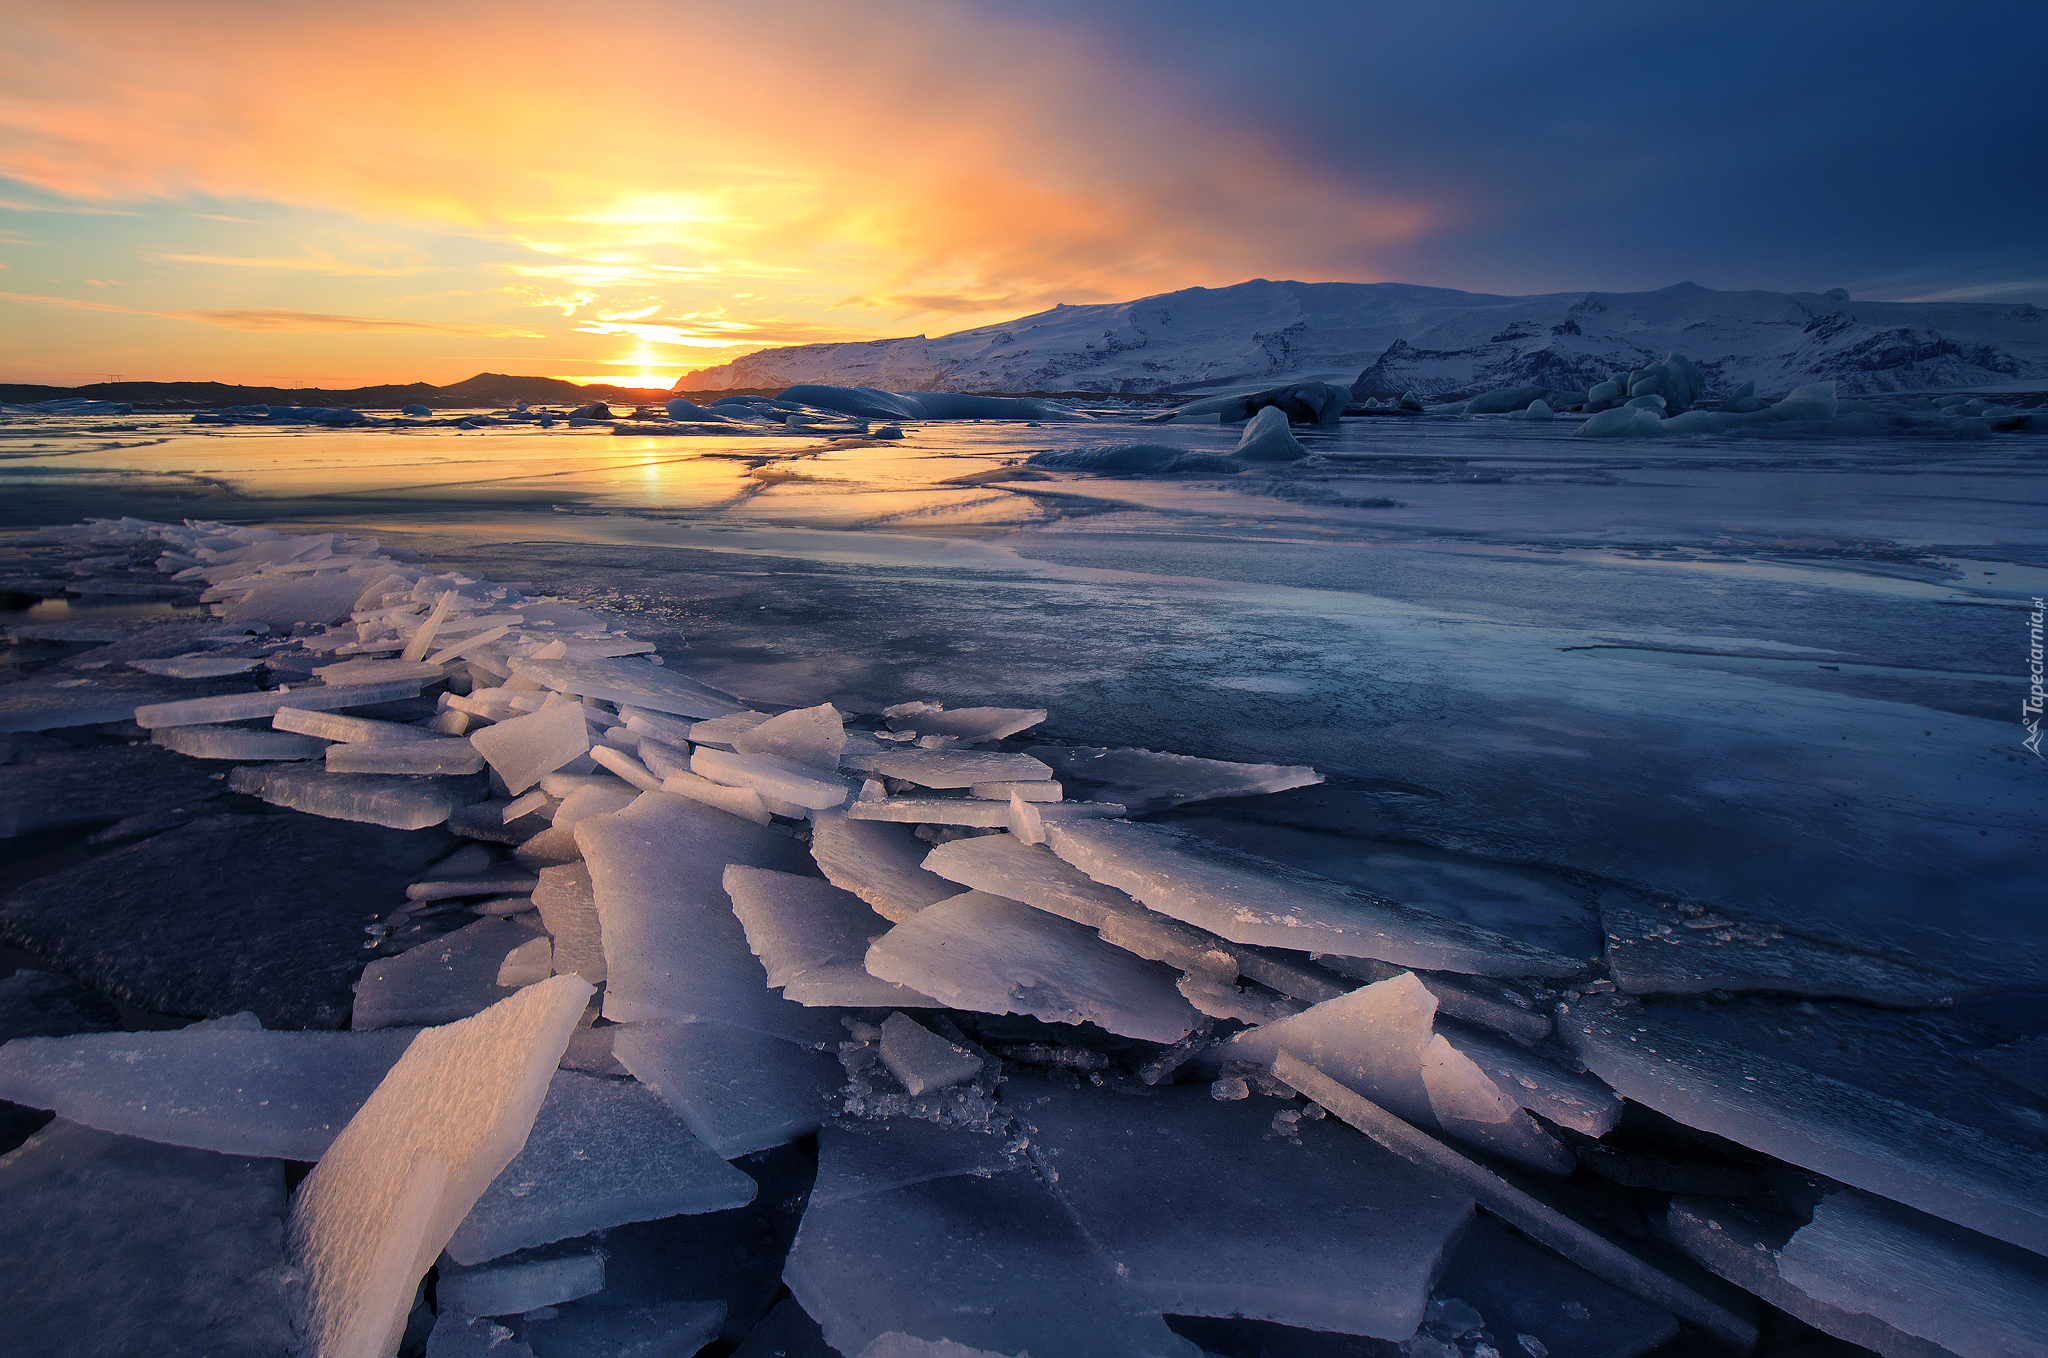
[1268, 439]
[568, 908]
[534, 802]
[456, 1335]
[428, 758]
[526, 748]
[308, 599]
[948, 768]
[878, 862]
[743, 802]
[239, 1091]
[234, 742]
[1031, 792]
[334, 726]
[443, 885]
[530, 962]
[739, 1090]
[1147, 780]
[658, 726]
[449, 978]
[367, 671]
[515, 1287]
[661, 758]
[971, 811]
[673, 948]
[601, 1153]
[811, 938]
[772, 776]
[968, 725]
[611, 757]
[550, 848]
[392, 800]
[629, 683]
[198, 666]
[370, 1219]
[725, 730]
[812, 736]
[1249, 899]
[920, 1059]
[597, 799]
[244, 706]
[982, 952]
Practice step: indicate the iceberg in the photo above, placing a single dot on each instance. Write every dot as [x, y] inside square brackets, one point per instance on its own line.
[1268, 439]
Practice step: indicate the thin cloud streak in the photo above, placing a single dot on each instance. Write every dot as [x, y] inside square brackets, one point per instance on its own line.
[279, 320]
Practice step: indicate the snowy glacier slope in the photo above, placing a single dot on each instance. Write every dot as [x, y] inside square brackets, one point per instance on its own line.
[1393, 337]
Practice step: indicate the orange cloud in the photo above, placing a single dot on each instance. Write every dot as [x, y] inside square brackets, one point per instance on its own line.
[912, 149]
[277, 320]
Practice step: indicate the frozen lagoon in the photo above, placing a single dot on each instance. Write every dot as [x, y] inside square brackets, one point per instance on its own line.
[1185, 617]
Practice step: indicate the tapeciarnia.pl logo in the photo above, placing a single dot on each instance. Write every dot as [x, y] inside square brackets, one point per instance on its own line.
[2030, 710]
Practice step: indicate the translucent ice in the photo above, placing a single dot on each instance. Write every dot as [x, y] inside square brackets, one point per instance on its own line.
[968, 725]
[335, 726]
[594, 799]
[200, 666]
[811, 938]
[743, 802]
[772, 776]
[568, 907]
[812, 735]
[1536, 1080]
[392, 800]
[948, 768]
[1249, 899]
[673, 948]
[982, 952]
[629, 683]
[234, 1089]
[673, 1329]
[515, 1287]
[419, 757]
[972, 811]
[1268, 439]
[878, 862]
[456, 1335]
[449, 978]
[382, 1203]
[739, 1090]
[242, 706]
[601, 1153]
[617, 761]
[1146, 780]
[722, 731]
[922, 1060]
[525, 748]
[234, 742]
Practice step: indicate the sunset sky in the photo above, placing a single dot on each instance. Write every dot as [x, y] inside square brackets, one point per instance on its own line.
[288, 193]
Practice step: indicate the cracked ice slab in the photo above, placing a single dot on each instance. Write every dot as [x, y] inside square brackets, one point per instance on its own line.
[217, 1086]
[230, 742]
[947, 768]
[243, 706]
[526, 749]
[1892, 1149]
[448, 978]
[936, 1235]
[739, 1090]
[673, 948]
[419, 758]
[370, 1219]
[982, 952]
[1248, 899]
[878, 862]
[388, 799]
[601, 1153]
[775, 776]
[1147, 780]
[811, 937]
[970, 811]
[1334, 1233]
[629, 683]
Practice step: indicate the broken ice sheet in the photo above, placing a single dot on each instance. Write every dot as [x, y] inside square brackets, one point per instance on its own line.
[526, 748]
[973, 812]
[947, 768]
[921, 1060]
[238, 1090]
[673, 948]
[1522, 1289]
[629, 683]
[812, 938]
[879, 862]
[1248, 899]
[982, 952]
[243, 706]
[200, 666]
[1146, 780]
[940, 1236]
[392, 800]
[1208, 1214]
[417, 757]
[772, 776]
[812, 736]
[1862, 1138]
[968, 725]
[234, 742]
[1381, 1042]
[449, 978]
[602, 1152]
[669, 1330]
[738, 1089]
[336, 726]
[516, 1286]
[382, 1203]
[118, 1246]
[568, 907]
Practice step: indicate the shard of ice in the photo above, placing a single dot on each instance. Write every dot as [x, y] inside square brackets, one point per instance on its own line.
[968, 725]
[391, 800]
[1147, 780]
[1537, 1079]
[1861, 1138]
[673, 948]
[628, 683]
[200, 666]
[568, 907]
[948, 768]
[243, 706]
[313, 598]
[743, 802]
[974, 812]
[235, 1089]
[982, 952]
[739, 1089]
[601, 1153]
[1249, 899]
[812, 736]
[921, 1060]
[428, 758]
[812, 938]
[335, 726]
[1381, 1041]
[449, 978]
[370, 1219]
[526, 748]
[233, 742]
[770, 775]
[939, 1236]
[879, 862]
[1208, 1214]
[516, 1286]
[720, 731]
[594, 799]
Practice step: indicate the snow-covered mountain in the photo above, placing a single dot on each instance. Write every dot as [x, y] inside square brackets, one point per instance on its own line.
[1391, 337]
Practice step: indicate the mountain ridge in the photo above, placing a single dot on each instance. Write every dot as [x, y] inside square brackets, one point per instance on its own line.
[1393, 337]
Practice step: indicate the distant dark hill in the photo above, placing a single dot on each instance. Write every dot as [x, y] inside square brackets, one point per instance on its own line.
[485, 389]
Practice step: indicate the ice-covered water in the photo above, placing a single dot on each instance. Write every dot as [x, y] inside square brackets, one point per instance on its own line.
[1781, 678]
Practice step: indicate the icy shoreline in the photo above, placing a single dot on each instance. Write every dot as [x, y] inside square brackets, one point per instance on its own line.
[942, 904]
